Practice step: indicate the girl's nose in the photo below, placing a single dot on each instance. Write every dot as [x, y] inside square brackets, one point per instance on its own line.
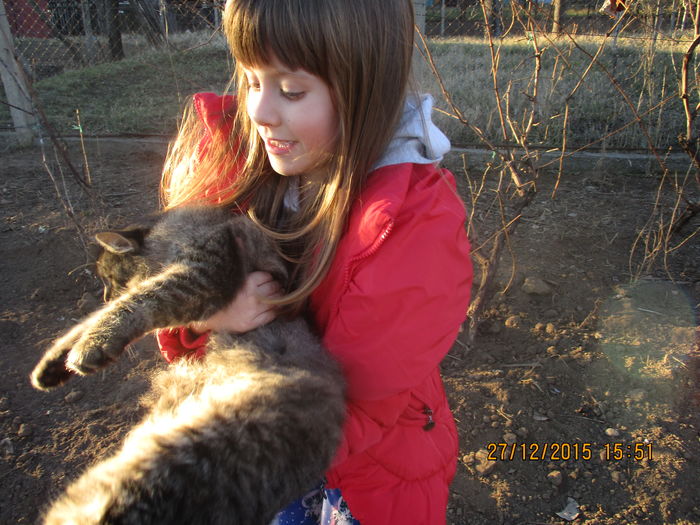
[262, 109]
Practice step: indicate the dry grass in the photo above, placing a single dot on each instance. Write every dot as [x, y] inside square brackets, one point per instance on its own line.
[647, 76]
[145, 92]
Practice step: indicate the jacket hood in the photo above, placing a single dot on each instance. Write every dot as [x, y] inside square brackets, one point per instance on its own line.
[417, 140]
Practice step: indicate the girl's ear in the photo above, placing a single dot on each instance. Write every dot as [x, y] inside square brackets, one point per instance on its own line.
[120, 242]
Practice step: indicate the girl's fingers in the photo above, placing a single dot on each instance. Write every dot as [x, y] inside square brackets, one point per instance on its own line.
[264, 285]
[259, 278]
[249, 308]
[269, 290]
[264, 318]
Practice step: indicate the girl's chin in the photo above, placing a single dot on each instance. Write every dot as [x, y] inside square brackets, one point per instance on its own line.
[286, 168]
[285, 171]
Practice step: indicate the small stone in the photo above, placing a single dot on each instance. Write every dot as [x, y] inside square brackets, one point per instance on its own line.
[24, 430]
[468, 459]
[513, 321]
[617, 476]
[537, 416]
[485, 469]
[522, 432]
[555, 477]
[536, 286]
[481, 455]
[7, 447]
[612, 432]
[550, 329]
[73, 396]
[484, 466]
[510, 438]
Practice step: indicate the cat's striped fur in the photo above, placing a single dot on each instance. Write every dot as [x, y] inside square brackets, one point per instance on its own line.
[230, 439]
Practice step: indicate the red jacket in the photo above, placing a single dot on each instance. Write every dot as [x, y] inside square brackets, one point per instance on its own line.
[389, 310]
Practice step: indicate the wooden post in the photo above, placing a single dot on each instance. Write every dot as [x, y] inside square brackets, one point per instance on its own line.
[442, 17]
[14, 82]
[89, 41]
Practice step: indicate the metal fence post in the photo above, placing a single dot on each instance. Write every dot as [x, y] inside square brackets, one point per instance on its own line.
[13, 80]
[419, 10]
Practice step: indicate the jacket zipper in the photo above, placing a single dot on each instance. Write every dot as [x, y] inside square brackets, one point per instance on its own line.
[367, 253]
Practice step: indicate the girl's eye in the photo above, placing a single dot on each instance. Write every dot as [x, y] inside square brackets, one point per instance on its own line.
[254, 85]
[292, 95]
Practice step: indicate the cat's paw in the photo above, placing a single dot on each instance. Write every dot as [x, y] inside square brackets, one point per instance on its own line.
[93, 352]
[51, 371]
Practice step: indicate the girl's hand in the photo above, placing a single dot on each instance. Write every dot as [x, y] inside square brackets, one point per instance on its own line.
[248, 310]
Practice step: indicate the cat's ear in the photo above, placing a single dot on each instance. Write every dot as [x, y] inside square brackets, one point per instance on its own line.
[118, 242]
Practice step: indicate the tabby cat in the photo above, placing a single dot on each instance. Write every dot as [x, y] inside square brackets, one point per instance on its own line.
[229, 439]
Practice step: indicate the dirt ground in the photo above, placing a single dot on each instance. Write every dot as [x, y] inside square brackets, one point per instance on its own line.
[572, 357]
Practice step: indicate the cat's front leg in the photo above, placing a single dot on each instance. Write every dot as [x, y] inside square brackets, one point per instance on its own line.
[120, 324]
[159, 302]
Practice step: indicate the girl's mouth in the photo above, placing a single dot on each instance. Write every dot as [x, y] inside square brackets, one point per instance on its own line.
[279, 147]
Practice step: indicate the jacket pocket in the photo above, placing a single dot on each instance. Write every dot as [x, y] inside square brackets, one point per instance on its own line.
[420, 444]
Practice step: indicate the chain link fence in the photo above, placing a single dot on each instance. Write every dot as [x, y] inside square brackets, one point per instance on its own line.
[460, 18]
[52, 36]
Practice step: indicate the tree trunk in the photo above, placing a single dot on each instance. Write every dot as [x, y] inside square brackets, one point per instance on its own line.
[114, 33]
[492, 13]
[149, 15]
[556, 23]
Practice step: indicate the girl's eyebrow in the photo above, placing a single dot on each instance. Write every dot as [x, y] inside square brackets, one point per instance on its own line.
[280, 71]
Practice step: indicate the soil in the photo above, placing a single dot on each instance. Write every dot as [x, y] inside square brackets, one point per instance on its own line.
[571, 354]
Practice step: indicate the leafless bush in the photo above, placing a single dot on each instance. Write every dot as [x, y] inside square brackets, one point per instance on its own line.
[534, 105]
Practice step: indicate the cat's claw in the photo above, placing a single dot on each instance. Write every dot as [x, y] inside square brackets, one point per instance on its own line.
[51, 371]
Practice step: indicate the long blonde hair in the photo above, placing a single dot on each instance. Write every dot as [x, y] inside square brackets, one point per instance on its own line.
[362, 50]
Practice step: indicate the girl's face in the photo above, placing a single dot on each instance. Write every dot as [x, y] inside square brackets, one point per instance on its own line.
[294, 114]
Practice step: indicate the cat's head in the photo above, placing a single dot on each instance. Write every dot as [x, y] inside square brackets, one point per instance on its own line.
[119, 260]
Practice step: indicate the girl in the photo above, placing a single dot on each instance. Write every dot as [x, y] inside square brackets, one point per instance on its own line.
[324, 148]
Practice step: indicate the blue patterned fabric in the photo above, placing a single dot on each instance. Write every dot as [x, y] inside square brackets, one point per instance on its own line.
[320, 506]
